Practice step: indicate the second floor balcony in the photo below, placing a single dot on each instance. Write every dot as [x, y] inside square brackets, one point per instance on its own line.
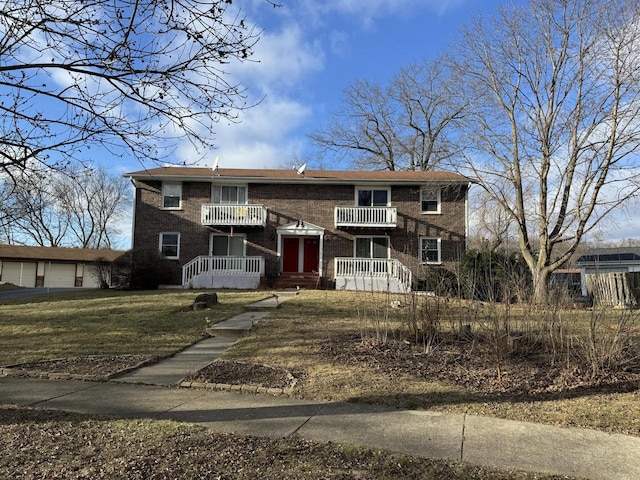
[236, 215]
[351, 216]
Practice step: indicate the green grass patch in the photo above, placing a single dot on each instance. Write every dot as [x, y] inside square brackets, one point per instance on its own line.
[108, 322]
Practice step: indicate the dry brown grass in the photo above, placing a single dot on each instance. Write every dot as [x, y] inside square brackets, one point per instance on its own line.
[292, 338]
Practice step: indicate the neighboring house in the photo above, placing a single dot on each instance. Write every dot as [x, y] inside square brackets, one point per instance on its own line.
[51, 266]
[613, 273]
[241, 228]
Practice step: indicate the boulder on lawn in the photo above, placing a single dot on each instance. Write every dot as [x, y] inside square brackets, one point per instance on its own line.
[205, 300]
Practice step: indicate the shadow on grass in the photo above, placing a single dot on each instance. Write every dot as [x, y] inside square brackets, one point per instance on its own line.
[452, 398]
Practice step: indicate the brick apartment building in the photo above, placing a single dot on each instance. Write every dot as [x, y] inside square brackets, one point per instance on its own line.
[240, 228]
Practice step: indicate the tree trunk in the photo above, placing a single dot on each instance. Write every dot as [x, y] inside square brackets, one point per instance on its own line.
[541, 277]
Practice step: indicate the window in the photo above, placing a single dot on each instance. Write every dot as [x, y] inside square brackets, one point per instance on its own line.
[227, 246]
[170, 245]
[372, 247]
[230, 194]
[430, 200]
[430, 250]
[171, 195]
[367, 197]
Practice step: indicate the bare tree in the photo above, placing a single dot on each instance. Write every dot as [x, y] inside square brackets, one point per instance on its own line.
[93, 201]
[133, 76]
[554, 119]
[80, 208]
[407, 125]
[31, 213]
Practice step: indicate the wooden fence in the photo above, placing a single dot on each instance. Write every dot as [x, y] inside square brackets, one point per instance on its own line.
[614, 289]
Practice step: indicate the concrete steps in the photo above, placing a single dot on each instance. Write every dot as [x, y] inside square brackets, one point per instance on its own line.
[302, 280]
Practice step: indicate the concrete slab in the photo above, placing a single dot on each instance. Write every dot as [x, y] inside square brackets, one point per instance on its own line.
[172, 370]
[23, 391]
[544, 448]
[273, 417]
[272, 302]
[237, 326]
[426, 434]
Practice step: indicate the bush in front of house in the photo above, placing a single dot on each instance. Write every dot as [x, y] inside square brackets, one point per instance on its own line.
[490, 276]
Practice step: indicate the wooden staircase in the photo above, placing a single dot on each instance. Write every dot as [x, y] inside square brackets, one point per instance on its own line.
[294, 279]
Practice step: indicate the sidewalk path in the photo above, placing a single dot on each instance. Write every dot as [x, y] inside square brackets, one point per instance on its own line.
[478, 440]
[224, 334]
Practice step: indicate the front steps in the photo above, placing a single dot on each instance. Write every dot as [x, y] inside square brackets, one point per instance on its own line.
[295, 279]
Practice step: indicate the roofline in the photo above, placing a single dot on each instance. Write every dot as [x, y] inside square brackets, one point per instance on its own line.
[329, 181]
[213, 178]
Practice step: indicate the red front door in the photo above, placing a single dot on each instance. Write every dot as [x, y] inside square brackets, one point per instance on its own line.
[311, 254]
[290, 254]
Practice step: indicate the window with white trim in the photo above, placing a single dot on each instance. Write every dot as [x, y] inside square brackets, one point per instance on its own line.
[370, 197]
[229, 194]
[430, 200]
[171, 195]
[170, 245]
[227, 245]
[430, 250]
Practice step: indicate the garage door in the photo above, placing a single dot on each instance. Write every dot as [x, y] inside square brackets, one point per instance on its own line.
[59, 274]
[19, 273]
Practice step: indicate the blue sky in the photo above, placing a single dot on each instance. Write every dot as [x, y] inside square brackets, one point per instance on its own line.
[310, 51]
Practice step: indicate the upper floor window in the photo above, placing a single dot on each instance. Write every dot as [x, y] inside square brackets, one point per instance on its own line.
[170, 245]
[430, 200]
[230, 194]
[171, 195]
[430, 250]
[368, 197]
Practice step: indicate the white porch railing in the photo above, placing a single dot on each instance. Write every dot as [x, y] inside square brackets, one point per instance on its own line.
[351, 216]
[248, 215]
[222, 266]
[379, 268]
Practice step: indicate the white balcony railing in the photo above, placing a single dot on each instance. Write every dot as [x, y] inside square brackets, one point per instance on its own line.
[247, 215]
[383, 217]
[222, 266]
[381, 268]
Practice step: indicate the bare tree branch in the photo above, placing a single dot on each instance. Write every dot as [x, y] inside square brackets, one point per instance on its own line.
[133, 76]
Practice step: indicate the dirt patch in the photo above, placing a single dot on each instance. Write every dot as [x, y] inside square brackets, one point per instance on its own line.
[474, 366]
[240, 373]
[97, 366]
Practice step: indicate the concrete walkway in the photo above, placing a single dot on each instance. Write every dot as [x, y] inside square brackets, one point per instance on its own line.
[151, 393]
[223, 334]
[474, 439]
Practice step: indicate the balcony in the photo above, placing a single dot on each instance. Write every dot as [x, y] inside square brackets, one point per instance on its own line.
[372, 274]
[377, 217]
[236, 215]
[223, 272]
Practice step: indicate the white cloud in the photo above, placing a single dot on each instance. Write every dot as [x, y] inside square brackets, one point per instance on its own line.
[281, 59]
[369, 11]
[265, 138]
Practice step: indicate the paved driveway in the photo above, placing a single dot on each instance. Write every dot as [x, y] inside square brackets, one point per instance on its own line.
[25, 292]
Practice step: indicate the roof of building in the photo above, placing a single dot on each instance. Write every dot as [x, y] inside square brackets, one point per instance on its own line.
[610, 255]
[22, 252]
[292, 175]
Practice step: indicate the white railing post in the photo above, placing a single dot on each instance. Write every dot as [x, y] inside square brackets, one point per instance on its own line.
[351, 216]
[249, 215]
[221, 266]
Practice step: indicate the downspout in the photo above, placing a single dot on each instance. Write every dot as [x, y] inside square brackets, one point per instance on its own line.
[466, 217]
[133, 214]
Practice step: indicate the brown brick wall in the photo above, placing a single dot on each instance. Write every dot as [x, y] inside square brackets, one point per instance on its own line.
[313, 203]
